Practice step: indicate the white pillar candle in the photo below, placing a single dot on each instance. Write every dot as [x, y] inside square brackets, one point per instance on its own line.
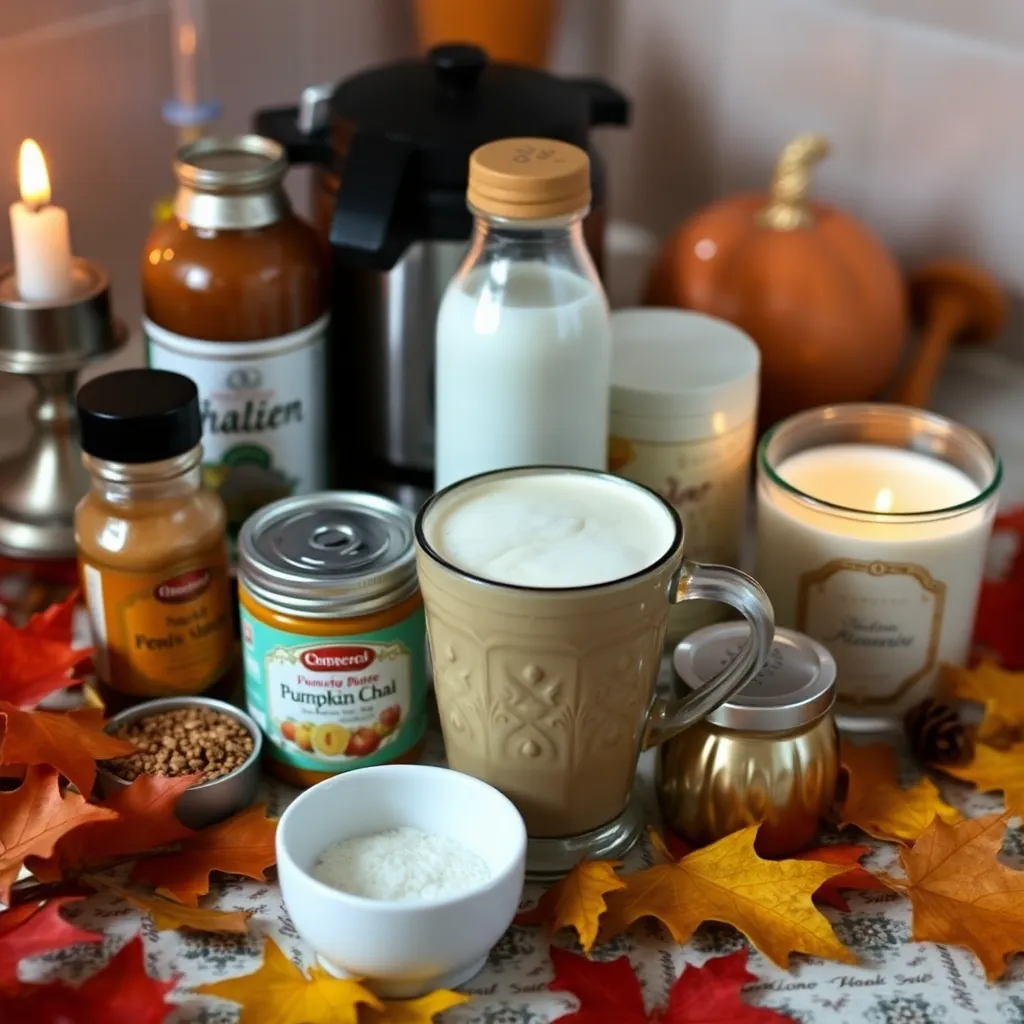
[42, 241]
[889, 579]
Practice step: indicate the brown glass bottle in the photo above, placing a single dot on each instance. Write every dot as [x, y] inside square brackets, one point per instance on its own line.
[234, 294]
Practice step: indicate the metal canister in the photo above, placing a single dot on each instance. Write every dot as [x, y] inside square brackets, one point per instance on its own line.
[769, 755]
[333, 635]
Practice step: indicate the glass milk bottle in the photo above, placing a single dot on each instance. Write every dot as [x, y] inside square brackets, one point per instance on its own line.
[523, 335]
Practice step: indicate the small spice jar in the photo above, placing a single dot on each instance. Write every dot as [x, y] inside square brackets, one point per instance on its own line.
[151, 542]
[333, 634]
[683, 416]
[770, 754]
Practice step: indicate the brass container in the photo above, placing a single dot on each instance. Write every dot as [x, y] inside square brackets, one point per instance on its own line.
[769, 755]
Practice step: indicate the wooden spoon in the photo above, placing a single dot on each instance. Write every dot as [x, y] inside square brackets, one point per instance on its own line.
[952, 300]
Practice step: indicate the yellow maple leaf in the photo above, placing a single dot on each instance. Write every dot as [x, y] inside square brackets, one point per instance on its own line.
[167, 914]
[768, 900]
[877, 804]
[961, 895]
[280, 993]
[993, 770]
[1000, 692]
[577, 901]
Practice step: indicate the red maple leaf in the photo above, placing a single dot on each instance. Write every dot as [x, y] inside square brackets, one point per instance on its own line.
[830, 891]
[144, 820]
[35, 928]
[609, 993]
[38, 658]
[120, 993]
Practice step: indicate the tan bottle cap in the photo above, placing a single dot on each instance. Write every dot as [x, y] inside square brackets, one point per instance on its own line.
[528, 179]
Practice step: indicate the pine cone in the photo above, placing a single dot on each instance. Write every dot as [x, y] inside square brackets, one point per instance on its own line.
[936, 734]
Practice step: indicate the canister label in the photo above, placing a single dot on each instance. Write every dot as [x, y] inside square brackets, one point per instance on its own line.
[262, 403]
[330, 704]
[161, 634]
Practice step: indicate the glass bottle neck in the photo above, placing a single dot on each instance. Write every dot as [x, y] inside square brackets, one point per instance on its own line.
[123, 483]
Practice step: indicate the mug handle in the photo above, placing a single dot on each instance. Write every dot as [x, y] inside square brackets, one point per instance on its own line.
[727, 586]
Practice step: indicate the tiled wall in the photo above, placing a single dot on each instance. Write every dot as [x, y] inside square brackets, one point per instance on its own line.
[921, 99]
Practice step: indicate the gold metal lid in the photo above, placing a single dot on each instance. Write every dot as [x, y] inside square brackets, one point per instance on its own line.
[528, 179]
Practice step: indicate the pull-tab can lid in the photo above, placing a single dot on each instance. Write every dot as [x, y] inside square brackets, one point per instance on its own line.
[328, 555]
[796, 687]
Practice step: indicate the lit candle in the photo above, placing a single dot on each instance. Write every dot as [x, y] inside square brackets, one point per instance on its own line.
[42, 241]
[877, 551]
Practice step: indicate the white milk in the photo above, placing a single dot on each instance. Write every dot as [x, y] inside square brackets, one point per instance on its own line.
[549, 530]
[523, 363]
[891, 596]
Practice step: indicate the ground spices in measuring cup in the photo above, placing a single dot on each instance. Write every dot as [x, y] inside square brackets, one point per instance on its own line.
[151, 542]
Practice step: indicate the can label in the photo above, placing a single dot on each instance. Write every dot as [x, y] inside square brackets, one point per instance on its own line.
[330, 704]
[161, 634]
[262, 403]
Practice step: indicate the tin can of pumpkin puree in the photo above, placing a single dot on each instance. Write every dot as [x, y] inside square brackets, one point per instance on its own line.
[333, 636]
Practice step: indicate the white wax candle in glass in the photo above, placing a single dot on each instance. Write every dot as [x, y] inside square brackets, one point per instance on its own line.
[42, 240]
[873, 525]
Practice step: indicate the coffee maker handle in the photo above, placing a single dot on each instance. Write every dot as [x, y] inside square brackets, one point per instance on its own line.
[608, 106]
[727, 586]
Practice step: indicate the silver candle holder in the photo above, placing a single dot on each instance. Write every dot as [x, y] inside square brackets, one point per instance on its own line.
[51, 342]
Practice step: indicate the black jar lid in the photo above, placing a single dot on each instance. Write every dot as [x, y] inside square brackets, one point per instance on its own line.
[134, 416]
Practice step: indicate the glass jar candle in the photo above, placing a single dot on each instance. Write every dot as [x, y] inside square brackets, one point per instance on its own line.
[873, 525]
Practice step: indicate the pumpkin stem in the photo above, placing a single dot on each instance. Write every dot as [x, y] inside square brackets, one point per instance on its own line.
[788, 208]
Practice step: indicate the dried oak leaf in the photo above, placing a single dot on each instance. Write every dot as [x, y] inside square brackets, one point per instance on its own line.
[33, 818]
[38, 659]
[999, 691]
[242, 845]
[167, 914]
[993, 770]
[768, 900]
[577, 901]
[610, 992]
[961, 894]
[70, 741]
[35, 928]
[856, 877]
[877, 804]
[141, 818]
[119, 993]
[280, 993]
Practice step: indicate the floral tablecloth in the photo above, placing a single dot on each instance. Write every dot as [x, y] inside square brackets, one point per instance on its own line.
[898, 982]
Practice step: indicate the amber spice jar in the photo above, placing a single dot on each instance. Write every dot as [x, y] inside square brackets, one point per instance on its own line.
[234, 294]
[151, 541]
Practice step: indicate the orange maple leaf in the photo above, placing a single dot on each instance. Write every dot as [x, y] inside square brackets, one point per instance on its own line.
[999, 691]
[167, 914]
[242, 845]
[992, 770]
[770, 901]
[142, 818]
[34, 817]
[70, 741]
[961, 895]
[877, 804]
[281, 993]
[577, 901]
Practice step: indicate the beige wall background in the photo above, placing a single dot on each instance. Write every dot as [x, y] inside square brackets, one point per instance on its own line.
[921, 99]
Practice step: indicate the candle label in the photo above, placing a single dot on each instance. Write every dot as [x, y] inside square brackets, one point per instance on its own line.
[262, 403]
[881, 621]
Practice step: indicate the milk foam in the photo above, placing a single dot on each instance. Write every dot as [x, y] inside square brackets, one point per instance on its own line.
[547, 530]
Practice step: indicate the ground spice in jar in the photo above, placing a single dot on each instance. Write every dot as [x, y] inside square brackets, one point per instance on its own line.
[183, 741]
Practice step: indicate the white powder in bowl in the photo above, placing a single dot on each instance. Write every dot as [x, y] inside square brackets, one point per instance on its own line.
[401, 864]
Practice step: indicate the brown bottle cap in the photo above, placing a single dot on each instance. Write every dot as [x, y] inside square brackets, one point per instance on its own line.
[528, 179]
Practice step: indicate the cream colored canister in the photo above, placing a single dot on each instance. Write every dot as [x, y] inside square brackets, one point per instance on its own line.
[683, 416]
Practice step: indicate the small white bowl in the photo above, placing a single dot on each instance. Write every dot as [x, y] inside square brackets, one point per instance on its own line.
[402, 949]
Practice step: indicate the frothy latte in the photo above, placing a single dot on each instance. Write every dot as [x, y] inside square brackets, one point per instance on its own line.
[549, 529]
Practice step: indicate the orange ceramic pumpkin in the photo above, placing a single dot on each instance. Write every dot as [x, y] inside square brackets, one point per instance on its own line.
[820, 294]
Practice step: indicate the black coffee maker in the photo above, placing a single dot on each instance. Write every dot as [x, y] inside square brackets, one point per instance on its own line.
[390, 148]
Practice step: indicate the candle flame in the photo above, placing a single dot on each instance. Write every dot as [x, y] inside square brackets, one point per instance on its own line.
[33, 179]
[884, 500]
